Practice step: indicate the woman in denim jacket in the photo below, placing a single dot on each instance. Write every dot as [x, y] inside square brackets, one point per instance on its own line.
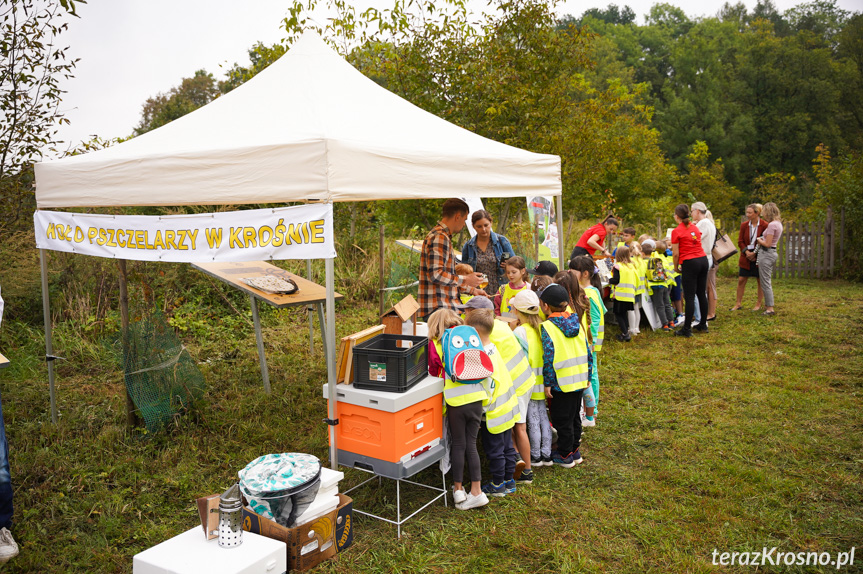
[486, 250]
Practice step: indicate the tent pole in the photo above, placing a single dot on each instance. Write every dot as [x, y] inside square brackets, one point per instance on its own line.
[559, 219]
[311, 310]
[131, 419]
[49, 344]
[329, 349]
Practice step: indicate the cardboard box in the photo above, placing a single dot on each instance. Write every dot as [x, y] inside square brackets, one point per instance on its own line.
[312, 543]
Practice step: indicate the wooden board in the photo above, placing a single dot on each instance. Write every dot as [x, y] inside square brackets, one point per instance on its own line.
[416, 245]
[4, 362]
[232, 273]
[346, 367]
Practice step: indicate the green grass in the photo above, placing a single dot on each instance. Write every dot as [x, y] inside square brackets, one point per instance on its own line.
[746, 437]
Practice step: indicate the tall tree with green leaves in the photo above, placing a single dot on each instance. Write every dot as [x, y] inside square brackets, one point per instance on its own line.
[32, 69]
[191, 94]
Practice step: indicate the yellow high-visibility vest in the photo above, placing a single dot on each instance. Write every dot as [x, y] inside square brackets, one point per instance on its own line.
[570, 358]
[534, 358]
[507, 293]
[598, 330]
[513, 356]
[501, 408]
[628, 285]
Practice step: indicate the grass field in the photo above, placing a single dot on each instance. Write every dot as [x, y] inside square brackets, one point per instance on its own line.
[750, 436]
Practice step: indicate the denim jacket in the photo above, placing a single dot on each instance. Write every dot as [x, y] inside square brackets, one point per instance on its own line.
[499, 244]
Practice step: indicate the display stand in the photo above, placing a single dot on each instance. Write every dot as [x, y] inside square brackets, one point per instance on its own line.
[439, 493]
[309, 294]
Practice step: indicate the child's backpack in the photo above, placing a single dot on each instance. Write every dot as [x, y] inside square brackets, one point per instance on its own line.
[464, 359]
[656, 270]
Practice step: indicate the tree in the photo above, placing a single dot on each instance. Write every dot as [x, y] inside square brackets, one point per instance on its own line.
[191, 94]
[705, 181]
[32, 69]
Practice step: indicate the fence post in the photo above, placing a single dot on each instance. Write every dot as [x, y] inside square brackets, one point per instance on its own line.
[842, 238]
[795, 251]
[782, 260]
[832, 239]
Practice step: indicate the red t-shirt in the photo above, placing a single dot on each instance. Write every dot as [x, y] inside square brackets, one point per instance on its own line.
[598, 229]
[689, 241]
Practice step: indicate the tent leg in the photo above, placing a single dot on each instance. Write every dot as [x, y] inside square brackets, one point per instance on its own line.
[310, 310]
[49, 344]
[262, 358]
[131, 420]
[320, 307]
[329, 349]
[559, 218]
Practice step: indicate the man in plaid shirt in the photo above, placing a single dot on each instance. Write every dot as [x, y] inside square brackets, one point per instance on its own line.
[439, 284]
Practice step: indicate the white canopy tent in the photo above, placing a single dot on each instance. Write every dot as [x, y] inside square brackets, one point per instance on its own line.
[308, 128]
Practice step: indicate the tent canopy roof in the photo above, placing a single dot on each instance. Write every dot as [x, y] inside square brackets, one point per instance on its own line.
[308, 128]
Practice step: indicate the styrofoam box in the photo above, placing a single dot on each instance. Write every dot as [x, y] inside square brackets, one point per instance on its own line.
[330, 478]
[385, 401]
[191, 553]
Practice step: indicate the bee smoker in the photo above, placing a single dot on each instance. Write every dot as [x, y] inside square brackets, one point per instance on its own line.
[231, 518]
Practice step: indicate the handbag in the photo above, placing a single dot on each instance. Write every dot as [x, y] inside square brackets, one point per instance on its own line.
[723, 249]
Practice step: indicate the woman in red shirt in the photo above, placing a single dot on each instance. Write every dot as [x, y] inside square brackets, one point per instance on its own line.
[691, 261]
[593, 240]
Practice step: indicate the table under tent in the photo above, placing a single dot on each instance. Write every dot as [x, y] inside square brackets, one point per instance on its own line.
[310, 128]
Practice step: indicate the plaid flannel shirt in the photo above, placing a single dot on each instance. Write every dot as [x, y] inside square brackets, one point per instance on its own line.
[439, 284]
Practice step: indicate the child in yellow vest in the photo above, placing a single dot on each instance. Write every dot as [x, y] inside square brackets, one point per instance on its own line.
[516, 273]
[564, 372]
[640, 265]
[526, 305]
[585, 269]
[625, 282]
[501, 411]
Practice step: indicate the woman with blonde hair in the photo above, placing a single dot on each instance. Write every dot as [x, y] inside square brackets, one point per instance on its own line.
[767, 253]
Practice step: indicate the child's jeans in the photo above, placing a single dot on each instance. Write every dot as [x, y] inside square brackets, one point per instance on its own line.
[538, 430]
[500, 454]
[662, 304]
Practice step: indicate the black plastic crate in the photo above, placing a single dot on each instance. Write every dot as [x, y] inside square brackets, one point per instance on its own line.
[383, 364]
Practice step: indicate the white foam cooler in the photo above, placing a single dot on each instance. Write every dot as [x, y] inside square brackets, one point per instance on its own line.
[327, 498]
[191, 553]
[391, 434]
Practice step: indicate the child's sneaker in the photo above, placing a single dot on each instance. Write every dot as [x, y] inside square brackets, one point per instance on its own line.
[473, 501]
[510, 486]
[8, 546]
[526, 477]
[459, 496]
[536, 462]
[519, 468]
[586, 422]
[576, 457]
[493, 489]
[667, 328]
[564, 461]
[547, 461]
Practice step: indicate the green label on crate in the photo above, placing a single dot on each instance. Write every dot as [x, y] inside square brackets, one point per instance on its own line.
[377, 371]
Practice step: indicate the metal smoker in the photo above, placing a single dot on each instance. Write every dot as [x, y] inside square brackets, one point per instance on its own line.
[231, 518]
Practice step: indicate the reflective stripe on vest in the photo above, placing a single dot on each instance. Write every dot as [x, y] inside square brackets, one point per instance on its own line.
[501, 408]
[570, 359]
[458, 394]
[641, 271]
[625, 290]
[512, 354]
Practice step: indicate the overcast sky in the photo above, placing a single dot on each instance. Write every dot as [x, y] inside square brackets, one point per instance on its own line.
[130, 50]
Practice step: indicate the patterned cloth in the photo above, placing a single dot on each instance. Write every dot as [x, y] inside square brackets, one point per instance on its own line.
[487, 262]
[281, 486]
[439, 284]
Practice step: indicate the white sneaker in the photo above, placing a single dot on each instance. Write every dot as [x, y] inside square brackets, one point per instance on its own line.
[679, 321]
[695, 323]
[459, 496]
[8, 547]
[473, 501]
[586, 422]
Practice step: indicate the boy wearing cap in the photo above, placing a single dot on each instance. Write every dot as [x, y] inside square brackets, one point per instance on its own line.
[564, 372]
[546, 268]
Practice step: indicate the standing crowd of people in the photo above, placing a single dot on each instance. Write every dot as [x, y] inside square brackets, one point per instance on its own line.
[539, 330]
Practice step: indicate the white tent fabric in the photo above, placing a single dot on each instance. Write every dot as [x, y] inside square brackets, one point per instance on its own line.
[309, 127]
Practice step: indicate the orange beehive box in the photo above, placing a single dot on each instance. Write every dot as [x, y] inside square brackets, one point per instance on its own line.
[391, 427]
